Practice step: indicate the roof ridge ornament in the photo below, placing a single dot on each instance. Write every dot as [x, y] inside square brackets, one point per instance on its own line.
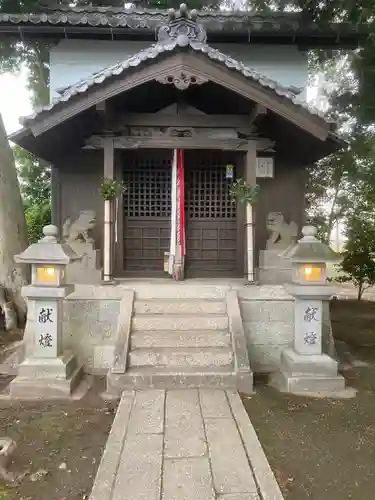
[182, 25]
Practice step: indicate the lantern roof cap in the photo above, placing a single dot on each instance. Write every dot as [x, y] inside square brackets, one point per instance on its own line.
[48, 250]
[310, 250]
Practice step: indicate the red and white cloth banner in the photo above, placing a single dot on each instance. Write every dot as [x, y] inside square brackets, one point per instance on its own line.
[177, 246]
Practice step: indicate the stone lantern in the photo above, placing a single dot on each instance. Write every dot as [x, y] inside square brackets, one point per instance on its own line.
[304, 368]
[47, 370]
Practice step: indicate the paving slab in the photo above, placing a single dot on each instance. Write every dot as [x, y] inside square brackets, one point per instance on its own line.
[184, 431]
[148, 413]
[187, 479]
[140, 469]
[214, 404]
[230, 467]
[185, 444]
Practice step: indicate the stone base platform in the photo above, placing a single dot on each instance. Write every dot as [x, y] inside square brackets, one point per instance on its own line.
[46, 378]
[189, 444]
[307, 374]
[274, 269]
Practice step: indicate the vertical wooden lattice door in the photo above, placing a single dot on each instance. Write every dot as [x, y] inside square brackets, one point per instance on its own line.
[147, 211]
[211, 232]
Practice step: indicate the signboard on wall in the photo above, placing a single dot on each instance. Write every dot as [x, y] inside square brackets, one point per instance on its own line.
[265, 167]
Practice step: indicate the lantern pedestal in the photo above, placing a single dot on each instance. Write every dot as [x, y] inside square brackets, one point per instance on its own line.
[301, 373]
[47, 371]
[304, 368]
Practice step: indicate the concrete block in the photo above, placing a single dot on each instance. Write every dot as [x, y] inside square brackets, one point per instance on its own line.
[45, 388]
[294, 364]
[268, 333]
[187, 479]
[59, 368]
[268, 310]
[184, 432]
[306, 383]
[275, 276]
[147, 415]
[272, 258]
[230, 467]
[141, 452]
[264, 292]
[173, 357]
[265, 358]
[208, 338]
[173, 306]
[103, 358]
[173, 322]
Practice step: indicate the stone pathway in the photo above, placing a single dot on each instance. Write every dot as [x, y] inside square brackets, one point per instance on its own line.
[184, 444]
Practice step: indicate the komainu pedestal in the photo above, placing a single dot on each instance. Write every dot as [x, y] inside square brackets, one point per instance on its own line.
[85, 270]
[274, 269]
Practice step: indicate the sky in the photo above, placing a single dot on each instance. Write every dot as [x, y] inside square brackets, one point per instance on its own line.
[14, 100]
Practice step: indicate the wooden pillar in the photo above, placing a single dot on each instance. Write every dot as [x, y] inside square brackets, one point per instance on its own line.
[108, 213]
[56, 199]
[250, 178]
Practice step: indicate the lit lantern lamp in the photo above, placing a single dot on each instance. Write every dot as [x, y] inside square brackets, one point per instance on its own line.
[47, 371]
[304, 368]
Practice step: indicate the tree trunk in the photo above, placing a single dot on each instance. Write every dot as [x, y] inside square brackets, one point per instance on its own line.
[13, 230]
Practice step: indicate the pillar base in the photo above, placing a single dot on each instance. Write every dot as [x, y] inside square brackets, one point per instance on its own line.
[301, 373]
[43, 378]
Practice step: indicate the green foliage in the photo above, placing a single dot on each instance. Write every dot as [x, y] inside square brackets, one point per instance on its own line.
[358, 265]
[242, 192]
[35, 184]
[34, 176]
[111, 189]
[37, 216]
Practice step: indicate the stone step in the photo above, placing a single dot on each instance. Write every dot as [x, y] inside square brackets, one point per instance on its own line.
[180, 290]
[179, 358]
[169, 378]
[163, 338]
[180, 306]
[173, 322]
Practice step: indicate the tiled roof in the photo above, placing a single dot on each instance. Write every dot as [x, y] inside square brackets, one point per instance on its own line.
[158, 50]
[135, 18]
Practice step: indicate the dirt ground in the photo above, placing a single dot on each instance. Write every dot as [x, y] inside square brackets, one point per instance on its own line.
[324, 449]
[59, 443]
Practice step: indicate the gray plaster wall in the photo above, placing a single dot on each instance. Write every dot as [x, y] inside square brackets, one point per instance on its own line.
[268, 318]
[78, 177]
[284, 193]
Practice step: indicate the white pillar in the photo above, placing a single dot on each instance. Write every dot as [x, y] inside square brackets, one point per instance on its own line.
[108, 220]
[250, 178]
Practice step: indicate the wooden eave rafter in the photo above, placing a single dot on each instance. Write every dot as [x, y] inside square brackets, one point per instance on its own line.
[189, 62]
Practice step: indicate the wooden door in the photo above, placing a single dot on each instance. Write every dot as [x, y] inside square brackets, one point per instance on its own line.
[212, 247]
[147, 211]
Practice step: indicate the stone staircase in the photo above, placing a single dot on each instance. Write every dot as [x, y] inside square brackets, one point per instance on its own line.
[178, 342]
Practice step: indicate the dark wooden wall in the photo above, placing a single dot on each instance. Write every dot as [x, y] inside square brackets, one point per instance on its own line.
[77, 178]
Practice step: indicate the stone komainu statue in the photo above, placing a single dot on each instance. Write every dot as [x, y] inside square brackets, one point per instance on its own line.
[283, 235]
[79, 230]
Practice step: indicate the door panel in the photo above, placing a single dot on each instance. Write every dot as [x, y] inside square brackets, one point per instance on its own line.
[211, 216]
[147, 211]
